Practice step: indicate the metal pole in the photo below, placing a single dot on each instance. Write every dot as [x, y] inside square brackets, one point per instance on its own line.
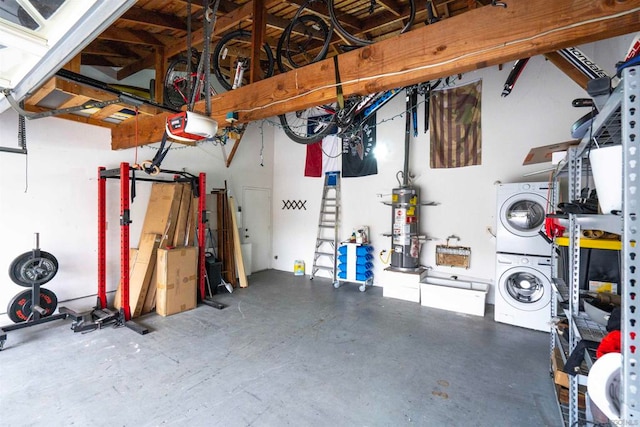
[202, 219]
[407, 139]
[102, 240]
[124, 239]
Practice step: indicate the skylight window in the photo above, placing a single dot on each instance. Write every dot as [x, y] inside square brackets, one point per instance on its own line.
[28, 14]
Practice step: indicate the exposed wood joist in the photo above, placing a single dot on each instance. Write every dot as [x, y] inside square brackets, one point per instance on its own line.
[157, 19]
[568, 68]
[258, 34]
[81, 92]
[74, 117]
[392, 6]
[223, 23]
[130, 36]
[148, 61]
[526, 28]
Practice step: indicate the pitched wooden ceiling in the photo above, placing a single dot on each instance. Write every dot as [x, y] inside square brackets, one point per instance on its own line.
[153, 25]
[150, 33]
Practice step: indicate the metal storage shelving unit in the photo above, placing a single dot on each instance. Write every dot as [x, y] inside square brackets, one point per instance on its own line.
[617, 123]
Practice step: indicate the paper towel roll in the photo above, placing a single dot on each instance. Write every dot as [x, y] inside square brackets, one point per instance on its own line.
[603, 384]
[606, 163]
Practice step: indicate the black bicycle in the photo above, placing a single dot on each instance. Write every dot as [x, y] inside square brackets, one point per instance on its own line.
[312, 124]
[401, 15]
[307, 38]
[309, 35]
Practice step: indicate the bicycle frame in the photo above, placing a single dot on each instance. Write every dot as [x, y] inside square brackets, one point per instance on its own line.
[197, 90]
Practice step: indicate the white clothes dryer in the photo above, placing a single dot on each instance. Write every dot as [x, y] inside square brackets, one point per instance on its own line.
[521, 211]
[523, 291]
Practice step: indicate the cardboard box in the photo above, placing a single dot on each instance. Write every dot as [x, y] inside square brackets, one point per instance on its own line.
[162, 211]
[177, 284]
[560, 377]
[141, 265]
[459, 296]
[545, 153]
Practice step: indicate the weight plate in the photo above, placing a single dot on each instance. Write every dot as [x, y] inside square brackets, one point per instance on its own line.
[19, 308]
[27, 270]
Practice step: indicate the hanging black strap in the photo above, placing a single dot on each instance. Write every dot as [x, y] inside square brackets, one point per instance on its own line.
[414, 110]
[338, 84]
[190, 81]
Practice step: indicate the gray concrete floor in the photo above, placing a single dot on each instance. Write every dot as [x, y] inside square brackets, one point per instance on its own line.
[286, 351]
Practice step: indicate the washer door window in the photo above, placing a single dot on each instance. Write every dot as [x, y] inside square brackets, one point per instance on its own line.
[525, 288]
[523, 214]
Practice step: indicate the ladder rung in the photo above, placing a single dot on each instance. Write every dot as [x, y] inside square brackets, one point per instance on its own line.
[322, 267]
[327, 226]
[325, 253]
[321, 239]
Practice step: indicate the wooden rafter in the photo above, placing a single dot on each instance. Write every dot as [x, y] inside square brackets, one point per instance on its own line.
[569, 69]
[158, 20]
[130, 36]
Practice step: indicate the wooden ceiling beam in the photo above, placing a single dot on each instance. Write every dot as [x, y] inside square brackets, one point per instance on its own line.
[74, 88]
[348, 21]
[73, 117]
[148, 61]
[258, 34]
[103, 61]
[109, 48]
[123, 35]
[154, 19]
[41, 93]
[526, 28]
[568, 68]
[392, 6]
[223, 24]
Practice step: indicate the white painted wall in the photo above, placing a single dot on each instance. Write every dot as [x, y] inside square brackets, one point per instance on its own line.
[56, 195]
[537, 112]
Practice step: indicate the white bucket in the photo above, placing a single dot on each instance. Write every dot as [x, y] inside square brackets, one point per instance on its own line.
[606, 164]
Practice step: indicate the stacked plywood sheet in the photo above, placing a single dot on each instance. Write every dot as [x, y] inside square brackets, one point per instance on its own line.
[170, 221]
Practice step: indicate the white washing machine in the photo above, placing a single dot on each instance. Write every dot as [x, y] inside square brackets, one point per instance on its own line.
[523, 291]
[521, 210]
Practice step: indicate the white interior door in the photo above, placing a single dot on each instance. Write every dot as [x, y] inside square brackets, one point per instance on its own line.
[256, 225]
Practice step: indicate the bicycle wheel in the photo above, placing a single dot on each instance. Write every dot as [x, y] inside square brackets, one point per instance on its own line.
[281, 58]
[310, 125]
[235, 48]
[307, 40]
[176, 82]
[365, 10]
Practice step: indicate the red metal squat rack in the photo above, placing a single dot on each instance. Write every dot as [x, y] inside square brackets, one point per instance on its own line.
[126, 175]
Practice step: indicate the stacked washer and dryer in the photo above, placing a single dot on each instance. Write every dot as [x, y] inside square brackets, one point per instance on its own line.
[523, 256]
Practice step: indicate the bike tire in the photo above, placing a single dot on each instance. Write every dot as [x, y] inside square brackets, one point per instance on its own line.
[234, 41]
[176, 82]
[308, 126]
[283, 66]
[299, 40]
[359, 7]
